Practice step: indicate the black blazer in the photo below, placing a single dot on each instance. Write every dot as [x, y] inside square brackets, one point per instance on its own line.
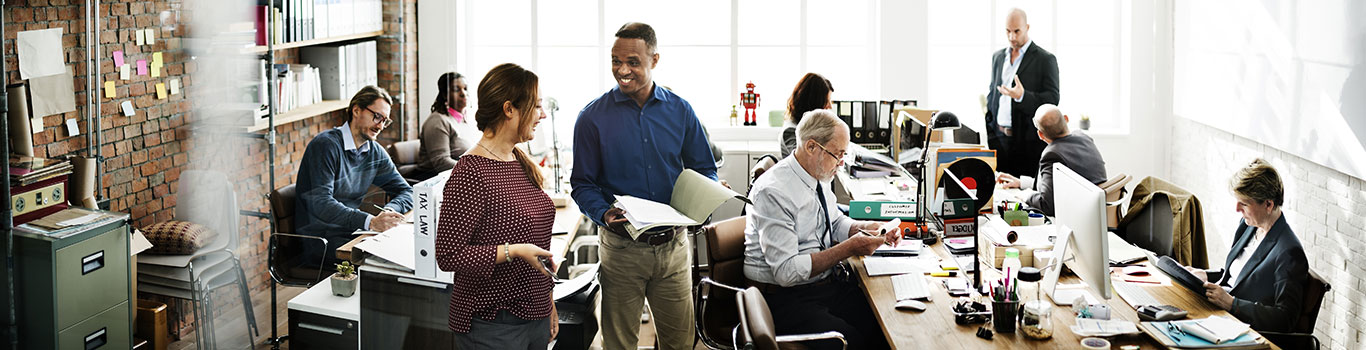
[1270, 287]
[1038, 72]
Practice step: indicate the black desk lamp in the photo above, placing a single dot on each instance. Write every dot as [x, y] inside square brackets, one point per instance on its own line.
[942, 121]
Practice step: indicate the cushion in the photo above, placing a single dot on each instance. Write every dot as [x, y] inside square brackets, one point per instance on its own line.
[177, 237]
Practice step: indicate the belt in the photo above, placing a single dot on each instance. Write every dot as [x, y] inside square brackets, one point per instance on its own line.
[773, 288]
[658, 236]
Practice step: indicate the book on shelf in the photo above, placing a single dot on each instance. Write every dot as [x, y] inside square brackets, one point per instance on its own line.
[300, 20]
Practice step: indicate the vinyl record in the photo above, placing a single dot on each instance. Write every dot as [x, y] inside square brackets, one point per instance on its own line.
[976, 175]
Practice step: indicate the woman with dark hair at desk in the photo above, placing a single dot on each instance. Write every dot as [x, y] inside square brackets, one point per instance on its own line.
[496, 223]
[811, 93]
[447, 133]
[1264, 277]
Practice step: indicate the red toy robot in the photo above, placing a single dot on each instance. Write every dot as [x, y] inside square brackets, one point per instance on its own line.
[751, 102]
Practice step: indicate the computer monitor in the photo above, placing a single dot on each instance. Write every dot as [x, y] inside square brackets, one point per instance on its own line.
[1079, 208]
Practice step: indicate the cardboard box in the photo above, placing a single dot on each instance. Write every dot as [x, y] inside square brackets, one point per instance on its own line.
[152, 324]
[997, 254]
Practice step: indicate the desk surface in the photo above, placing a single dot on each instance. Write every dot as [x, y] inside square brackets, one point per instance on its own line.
[320, 300]
[918, 330]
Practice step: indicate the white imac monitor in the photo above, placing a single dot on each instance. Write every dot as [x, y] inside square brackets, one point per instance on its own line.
[1079, 207]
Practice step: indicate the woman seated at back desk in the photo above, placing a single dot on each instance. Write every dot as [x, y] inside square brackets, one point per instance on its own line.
[1263, 282]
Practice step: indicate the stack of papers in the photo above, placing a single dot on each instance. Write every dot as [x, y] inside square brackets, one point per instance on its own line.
[1215, 329]
[693, 200]
[879, 266]
[907, 247]
[1088, 327]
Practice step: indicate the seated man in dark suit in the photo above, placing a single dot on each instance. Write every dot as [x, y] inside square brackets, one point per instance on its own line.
[1077, 151]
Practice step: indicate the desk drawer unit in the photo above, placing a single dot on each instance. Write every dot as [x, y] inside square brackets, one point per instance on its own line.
[313, 331]
[402, 312]
[84, 271]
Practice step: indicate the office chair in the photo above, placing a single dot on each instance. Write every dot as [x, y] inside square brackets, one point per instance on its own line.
[756, 325]
[726, 258]
[284, 259]
[1114, 198]
[404, 156]
[206, 198]
[1151, 226]
[1301, 335]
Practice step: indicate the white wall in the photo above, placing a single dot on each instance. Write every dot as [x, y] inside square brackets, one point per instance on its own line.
[436, 49]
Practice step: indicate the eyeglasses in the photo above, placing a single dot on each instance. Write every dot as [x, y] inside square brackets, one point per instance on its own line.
[839, 158]
[382, 120]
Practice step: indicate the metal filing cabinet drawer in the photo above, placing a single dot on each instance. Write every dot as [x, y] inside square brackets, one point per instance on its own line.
[107, 330]
[83, 269]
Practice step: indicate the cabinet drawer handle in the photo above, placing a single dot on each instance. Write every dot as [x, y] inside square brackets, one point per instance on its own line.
[97, 339]
[310, 326]
[92, 262]
[422, 282]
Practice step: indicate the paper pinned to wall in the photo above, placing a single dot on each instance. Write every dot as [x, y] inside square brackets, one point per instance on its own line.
[40, 53]
[109, 89]
[71, 128]
[127, 108]
[118, 58]
[175, 86]
[36, 124]
[161, 91]
[126, 72]
[142, 67]
[151, 36]
[156, 58]
[53, 94]
[140, 39]
[156, 70]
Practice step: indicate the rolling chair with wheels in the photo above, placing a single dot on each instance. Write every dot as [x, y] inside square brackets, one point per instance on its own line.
[714, 315]
[206, 198]
[756, 325]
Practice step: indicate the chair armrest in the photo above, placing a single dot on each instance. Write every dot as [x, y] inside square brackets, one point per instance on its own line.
[791, 338]
[1292, 340]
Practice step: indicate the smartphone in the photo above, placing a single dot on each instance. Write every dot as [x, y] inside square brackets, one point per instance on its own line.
[548, 267]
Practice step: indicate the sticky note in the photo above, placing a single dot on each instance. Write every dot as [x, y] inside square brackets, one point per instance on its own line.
[156, 70]
[161, 91]
[142, 67]
[156, 58]
[151, 36]
[71, 128]
[118, 58]
[109, 89]
[124, 72]
[140, 39]
[175, 86]
[127, 108]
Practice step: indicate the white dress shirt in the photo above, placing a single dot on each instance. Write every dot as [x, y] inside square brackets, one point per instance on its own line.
[1008, 70]
[783, 227]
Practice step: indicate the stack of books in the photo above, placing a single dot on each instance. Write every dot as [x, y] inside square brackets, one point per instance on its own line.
[25, 170]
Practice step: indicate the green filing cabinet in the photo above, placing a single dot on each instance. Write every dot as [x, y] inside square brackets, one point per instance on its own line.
[72, 286]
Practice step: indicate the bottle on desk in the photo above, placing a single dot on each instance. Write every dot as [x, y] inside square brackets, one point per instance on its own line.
[1011, 264]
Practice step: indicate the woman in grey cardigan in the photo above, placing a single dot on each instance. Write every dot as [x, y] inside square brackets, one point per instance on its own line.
[447, 133]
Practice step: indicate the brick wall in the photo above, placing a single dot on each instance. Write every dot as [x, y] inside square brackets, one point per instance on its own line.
[1322, 205]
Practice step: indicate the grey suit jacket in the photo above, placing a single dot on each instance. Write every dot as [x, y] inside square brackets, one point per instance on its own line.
[1079, 153]
[1270, 287]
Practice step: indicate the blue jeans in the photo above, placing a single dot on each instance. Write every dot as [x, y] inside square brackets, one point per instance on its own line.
[505, 331]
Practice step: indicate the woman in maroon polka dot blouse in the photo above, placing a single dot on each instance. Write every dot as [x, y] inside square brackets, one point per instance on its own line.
[495, 223]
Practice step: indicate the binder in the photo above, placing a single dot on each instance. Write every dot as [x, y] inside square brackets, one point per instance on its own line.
[332, 70]
[426, 211]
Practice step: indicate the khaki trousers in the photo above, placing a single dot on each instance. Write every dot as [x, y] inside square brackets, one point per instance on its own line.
[630, 273]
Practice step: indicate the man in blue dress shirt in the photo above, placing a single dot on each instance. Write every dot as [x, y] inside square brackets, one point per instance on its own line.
[635, 140]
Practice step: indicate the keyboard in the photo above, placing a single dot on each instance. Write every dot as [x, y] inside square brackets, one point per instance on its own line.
[1134, 295]
[910, 286]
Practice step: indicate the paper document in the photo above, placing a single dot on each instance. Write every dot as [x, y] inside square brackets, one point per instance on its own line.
[1121, 252]
[81, 220]
[907, 247]
[40, 53]
[694, 198]
[879, 266]
[1215, 329]
[394, 245]
[53, 94]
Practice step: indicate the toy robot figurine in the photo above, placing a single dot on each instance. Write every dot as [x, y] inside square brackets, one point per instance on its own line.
[751, 102]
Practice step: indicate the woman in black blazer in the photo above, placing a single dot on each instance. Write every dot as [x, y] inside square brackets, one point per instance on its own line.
[1264, 275]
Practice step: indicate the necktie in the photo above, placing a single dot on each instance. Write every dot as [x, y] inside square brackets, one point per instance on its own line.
[825, 214]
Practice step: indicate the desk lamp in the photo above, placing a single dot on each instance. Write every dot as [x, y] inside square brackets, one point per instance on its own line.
[942, 121]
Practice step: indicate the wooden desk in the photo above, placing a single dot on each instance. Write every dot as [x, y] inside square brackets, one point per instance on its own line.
[934, 328]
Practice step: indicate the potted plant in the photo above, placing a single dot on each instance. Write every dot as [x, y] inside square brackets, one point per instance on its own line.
[344, 281]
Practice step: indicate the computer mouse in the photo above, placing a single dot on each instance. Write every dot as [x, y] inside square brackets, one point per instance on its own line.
[910, 304]
[1135, 271]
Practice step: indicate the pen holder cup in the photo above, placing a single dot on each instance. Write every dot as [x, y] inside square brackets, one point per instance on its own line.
[1004, 315]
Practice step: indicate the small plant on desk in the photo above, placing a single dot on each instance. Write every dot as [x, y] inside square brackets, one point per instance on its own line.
[344, 281]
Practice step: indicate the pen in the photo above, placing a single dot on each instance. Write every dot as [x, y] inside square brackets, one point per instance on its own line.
[383, 209]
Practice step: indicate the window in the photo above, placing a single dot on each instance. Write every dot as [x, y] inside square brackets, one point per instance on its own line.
[708, 49]
[1089, 38]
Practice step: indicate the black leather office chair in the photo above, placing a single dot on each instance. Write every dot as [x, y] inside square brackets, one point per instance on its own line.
[1152, 228]
[713, 312]
[1302, 334]
[285, 252]
[756, 330]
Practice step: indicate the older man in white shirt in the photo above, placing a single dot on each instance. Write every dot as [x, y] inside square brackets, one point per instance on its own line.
[796, 241]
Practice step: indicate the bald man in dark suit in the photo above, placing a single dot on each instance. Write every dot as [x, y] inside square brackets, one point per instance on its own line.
[1024, 76]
